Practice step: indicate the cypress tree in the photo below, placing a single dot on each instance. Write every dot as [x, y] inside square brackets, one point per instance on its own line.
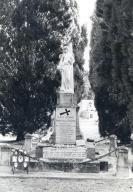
[111, 66]
[33, 36]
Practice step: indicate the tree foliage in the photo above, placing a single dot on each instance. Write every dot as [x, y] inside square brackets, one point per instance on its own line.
[111, 66]
[33, 34]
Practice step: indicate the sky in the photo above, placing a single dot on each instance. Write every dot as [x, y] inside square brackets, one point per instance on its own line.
[86, 10]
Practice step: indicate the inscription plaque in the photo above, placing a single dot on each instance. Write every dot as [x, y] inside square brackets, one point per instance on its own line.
[64, 153]
[65, 125]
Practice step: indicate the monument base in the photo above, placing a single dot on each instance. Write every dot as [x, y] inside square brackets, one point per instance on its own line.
[69, 159]
[80, 151]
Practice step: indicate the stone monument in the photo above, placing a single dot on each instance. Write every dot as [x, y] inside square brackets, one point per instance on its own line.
[66, 122]
[66, 116]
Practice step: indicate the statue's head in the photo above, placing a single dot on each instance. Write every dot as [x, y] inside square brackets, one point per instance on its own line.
[65, 50]
[68, 47]
[131, 136]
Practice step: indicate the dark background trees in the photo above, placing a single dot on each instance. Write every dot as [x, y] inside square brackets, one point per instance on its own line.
[111, 66]
[33, 34]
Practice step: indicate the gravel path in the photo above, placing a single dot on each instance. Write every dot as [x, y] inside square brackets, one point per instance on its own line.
[64, 185]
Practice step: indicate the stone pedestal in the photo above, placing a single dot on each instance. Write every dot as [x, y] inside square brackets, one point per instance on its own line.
[66, 131]
[66, 120]
[65, 125]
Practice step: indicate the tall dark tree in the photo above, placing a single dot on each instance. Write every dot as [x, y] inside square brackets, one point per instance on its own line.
[79, 44]
[31, 44]
[111, 66]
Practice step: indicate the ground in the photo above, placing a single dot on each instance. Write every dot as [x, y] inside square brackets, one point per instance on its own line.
[65, 185]
[59, 182]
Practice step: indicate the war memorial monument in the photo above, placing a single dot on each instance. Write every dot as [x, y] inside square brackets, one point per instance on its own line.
[67, 144]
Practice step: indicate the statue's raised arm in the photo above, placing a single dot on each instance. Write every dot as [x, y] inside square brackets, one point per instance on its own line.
[66, 68]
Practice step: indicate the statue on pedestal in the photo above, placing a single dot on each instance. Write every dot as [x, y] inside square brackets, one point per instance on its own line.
[66, 68]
